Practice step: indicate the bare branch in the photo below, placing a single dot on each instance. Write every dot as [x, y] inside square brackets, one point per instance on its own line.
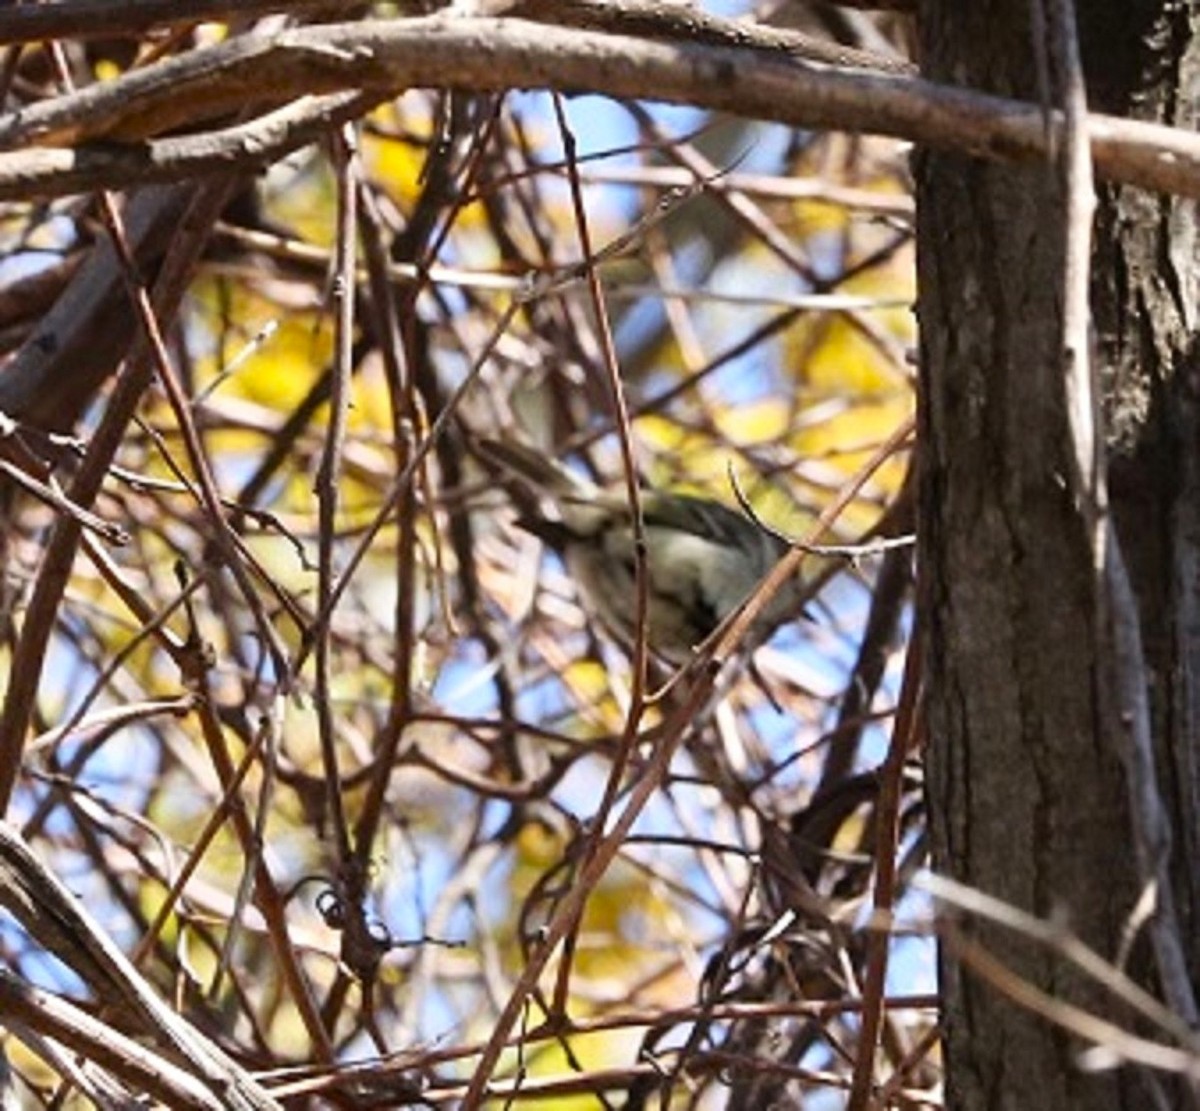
[500, 54]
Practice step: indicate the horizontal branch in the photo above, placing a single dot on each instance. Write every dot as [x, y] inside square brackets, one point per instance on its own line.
[78, 19]
[491, 55]
[43, 172]
[670, 21]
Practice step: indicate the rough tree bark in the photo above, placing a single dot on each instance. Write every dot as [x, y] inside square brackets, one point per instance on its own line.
[1029, 796]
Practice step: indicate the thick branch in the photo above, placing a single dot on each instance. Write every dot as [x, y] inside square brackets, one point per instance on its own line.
[95, 18]
[497, 54]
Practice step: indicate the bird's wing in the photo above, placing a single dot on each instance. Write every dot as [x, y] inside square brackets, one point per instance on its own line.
[700, 517]
[538, 470]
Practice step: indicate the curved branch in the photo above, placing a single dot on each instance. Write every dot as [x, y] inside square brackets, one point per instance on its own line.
[45, 172]
[481, 54]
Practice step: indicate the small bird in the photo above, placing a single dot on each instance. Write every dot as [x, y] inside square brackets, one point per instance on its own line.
[703, 559]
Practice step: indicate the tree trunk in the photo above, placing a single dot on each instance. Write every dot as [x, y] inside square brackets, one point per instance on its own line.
[1029, 794]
